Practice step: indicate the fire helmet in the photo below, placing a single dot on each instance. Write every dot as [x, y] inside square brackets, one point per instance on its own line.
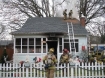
[65, 50]
[51, 50]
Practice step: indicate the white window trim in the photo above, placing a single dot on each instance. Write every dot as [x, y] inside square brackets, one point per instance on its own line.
[68, 42]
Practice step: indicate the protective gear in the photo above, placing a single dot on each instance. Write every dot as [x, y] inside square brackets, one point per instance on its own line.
[64, 57]
[65, 14]
[65, 50]
[50, 61]
[49, 58]
[70, 14]
[51, 50]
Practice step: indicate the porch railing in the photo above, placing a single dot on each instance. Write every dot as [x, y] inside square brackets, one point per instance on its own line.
[31, 70]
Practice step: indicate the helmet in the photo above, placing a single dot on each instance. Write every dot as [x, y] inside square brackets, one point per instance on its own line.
[51, 50]
[65, 9]
[65, 50]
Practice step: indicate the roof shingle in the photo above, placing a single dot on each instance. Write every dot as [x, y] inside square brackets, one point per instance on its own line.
[48, 25]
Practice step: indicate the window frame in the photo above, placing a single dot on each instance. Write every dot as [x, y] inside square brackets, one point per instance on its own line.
[41, 44]
[66, 41]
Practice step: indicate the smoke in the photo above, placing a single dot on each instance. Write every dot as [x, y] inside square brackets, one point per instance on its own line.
[60, 6]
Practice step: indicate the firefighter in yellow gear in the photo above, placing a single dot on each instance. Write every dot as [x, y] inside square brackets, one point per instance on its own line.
[50, 61]
[65, 14]
[70, 14]
[64, 58]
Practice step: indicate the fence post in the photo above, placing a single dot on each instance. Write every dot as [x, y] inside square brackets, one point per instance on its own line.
[72, 72]
[26, 72]
[0, 70]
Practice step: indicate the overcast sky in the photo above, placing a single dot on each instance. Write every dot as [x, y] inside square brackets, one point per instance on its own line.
[69, 5]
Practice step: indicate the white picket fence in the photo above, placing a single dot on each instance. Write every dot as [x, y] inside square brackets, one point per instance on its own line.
[30, 70]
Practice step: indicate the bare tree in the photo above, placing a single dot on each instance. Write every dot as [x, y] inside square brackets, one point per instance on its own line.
[92, 10]
[9, 20]
[16, 12]
[33, 8]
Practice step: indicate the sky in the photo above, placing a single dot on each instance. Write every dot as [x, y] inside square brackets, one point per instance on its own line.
[69, 5]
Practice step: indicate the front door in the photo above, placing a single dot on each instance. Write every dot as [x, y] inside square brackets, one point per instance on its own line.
[53, 44]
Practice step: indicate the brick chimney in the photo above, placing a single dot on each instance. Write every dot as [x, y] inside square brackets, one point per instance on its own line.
[82, 20]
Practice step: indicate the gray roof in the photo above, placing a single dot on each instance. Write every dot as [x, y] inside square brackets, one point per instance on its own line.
[42, 25]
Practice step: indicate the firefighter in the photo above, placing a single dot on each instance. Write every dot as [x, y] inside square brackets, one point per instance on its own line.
[50, 61]
[70, 14]
[64, 59]
[65, 14]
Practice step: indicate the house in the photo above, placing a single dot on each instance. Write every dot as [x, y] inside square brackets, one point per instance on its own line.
[8, 44]
[39, 34]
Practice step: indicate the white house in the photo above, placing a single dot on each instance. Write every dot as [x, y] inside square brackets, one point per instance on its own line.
[39, 34]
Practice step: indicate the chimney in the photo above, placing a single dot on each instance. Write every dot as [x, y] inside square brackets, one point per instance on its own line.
[82, 20]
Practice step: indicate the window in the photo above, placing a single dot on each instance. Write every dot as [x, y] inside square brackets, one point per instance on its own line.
[31, 45]
[18, 41]
[31, 41]
[44, 45]
[18, 45]
[38, 45]
[24, 45]
[17, 49]
[73, 46]
[66, 45]
[60, 45]
[24, 41]
[76, 45]
[24, 49]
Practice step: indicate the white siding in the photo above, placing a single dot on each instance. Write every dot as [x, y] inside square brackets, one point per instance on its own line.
[22, 56]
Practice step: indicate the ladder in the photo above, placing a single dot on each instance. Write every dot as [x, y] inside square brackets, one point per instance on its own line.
[71, 38]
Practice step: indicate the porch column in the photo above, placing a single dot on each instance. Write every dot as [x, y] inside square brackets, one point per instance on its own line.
[58, 50]
[41, 48]
[14, 44]
[62, 42]
[21, 46]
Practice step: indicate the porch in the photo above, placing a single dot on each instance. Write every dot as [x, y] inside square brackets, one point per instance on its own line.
[32, 70]
[39, 46]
